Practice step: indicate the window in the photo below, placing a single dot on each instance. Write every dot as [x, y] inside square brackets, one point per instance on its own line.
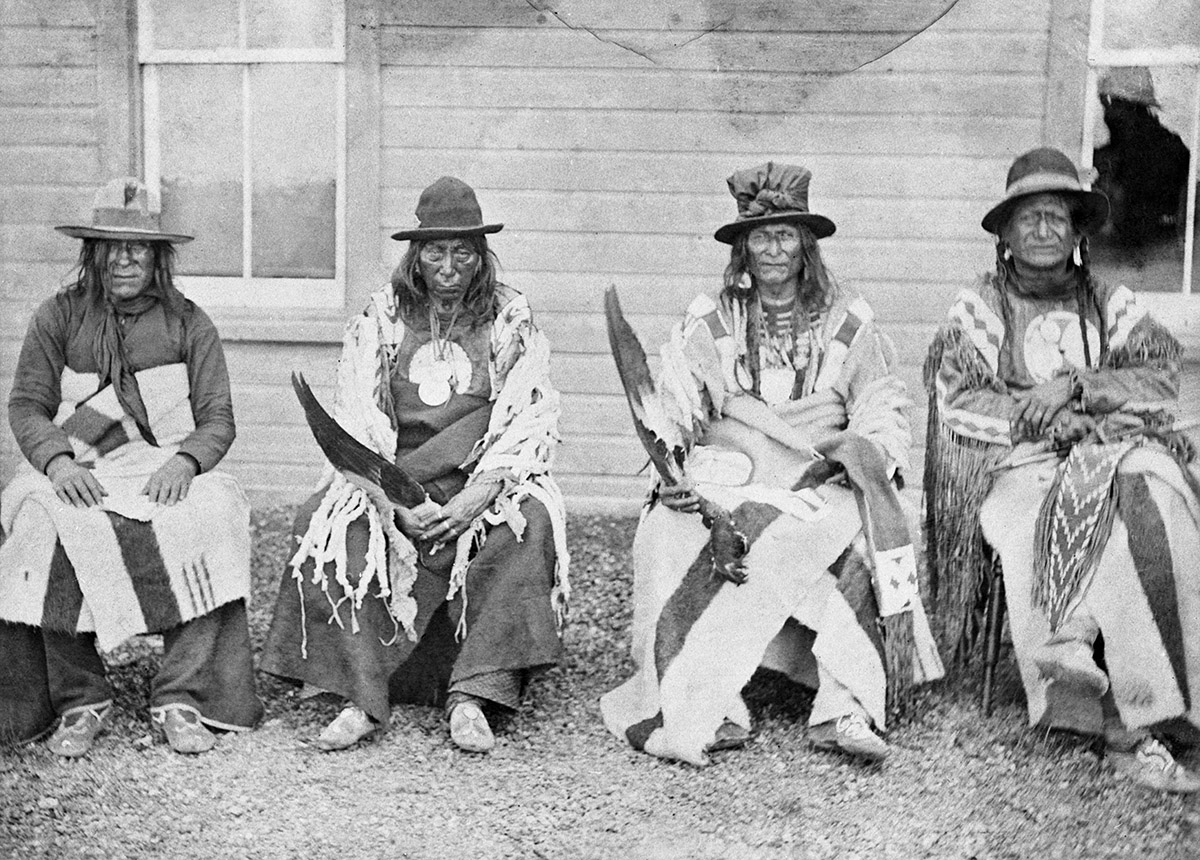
[244, 133]
[1141, 139]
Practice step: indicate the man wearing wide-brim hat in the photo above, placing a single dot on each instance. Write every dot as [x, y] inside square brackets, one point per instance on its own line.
[457, 601]
[117, 524]
[1053, 448]
[780, 380]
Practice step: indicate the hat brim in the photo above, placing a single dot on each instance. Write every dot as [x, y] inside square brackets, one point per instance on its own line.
[124, 234]
[447, 232]
[820, 226]
[1095, 206]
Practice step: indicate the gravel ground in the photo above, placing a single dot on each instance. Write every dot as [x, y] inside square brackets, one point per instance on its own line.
[957, 785]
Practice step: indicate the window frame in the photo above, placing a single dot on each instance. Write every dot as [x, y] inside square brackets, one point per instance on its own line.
[1179, 309]
[120, 134]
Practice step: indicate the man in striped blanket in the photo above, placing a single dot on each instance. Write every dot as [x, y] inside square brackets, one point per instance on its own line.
[1053, 446]
[117, 526]
[783, 361]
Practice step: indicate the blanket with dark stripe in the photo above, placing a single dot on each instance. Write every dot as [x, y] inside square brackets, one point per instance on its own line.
[698, 640]
[128, 566]
[1142, 595]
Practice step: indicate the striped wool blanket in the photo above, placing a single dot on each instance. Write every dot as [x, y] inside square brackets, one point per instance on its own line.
[698, 640]
[127, 566]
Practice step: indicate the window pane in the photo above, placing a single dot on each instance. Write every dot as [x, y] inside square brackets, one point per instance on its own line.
[293, 170]
[290, 23]
[195, 24]
[1141, 160]
[200, 152]
[1151, 23]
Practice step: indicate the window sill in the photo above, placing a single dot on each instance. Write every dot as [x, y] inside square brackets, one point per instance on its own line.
[279, 325]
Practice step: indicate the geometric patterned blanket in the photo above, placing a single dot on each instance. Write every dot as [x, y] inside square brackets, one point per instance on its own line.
[1074, 523]
[126, 566]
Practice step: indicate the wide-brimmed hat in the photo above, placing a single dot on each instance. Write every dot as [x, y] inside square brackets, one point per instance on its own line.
[124, 209]
[1047, 171]
[448, 209]
[769, 194]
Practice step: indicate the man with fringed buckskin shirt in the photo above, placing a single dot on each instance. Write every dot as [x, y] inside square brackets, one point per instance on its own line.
[1053, 447]
[777, 397]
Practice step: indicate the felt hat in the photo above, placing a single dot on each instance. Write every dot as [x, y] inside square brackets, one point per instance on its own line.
[1046, 171]
[447, 209]
[771, 194]
[124, 209]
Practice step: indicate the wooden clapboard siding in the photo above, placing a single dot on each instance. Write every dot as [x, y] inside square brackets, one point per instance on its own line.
[601, 133]
[49, 163]
[604, 150]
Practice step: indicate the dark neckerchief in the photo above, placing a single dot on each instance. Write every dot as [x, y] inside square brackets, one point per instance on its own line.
[112, 363]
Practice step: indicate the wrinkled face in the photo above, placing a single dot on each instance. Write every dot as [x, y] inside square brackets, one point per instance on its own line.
[774, 254]
[1040, 233]
[129, 269]
[447, 267]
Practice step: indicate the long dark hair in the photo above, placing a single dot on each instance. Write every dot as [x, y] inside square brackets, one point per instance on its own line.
[93, 264]
[412, 294]
[817, 288]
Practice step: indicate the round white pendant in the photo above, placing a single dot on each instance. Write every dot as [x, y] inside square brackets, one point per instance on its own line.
[434, 392]
[776, 384]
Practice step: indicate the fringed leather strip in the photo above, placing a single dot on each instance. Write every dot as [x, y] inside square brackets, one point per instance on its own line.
[957, 480]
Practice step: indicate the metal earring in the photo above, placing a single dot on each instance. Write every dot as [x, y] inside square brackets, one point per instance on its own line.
[1078, 257]
[1007, 253]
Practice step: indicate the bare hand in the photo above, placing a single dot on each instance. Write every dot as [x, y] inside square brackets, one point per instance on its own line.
[73, 483]
[170, 482]
[680, 497]
[453, 518]
[413, 521]
[1036, 408]
[821, 412]
[1070, 427]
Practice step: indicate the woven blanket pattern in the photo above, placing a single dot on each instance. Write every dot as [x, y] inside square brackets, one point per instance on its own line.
[1074, 524]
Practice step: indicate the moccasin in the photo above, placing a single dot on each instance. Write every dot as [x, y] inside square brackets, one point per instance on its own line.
[851, 735]
[1151, 765]
[348, 728]
[183, 730]
[77, 730]
[469, 729]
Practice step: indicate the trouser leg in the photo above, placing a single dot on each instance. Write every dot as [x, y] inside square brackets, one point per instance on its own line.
[207, 665]
[74, 671]
[502, 687]
[833, 699]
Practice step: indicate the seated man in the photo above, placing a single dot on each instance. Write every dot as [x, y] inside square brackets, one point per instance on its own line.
[784, 360]
[118, 526]
[1052, 396]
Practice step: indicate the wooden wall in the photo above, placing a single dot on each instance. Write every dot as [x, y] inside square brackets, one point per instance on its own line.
[601, 133]
[608, 163]
[49, 162]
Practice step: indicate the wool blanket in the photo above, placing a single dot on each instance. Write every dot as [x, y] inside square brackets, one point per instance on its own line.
[698, 640]
[127, 566]
[1143, 594]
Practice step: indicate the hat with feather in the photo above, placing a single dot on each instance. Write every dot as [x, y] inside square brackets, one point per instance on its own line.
[124, 209]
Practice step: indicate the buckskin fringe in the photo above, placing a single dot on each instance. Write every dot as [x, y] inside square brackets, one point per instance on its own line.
[898, 646]
[1150, 344]
[957, 480]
